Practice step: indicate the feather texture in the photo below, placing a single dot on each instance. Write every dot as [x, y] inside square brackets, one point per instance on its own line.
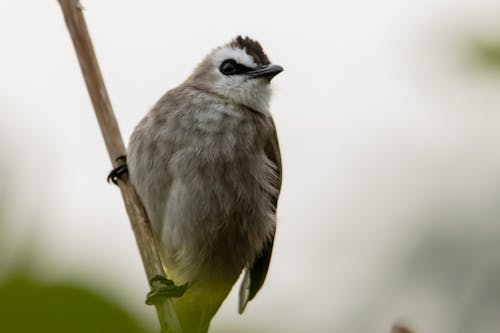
[207, 167]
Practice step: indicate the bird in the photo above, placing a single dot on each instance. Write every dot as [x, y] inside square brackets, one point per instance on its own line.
[206, 163]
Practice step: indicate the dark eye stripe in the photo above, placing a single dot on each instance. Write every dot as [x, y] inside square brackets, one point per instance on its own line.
[231, 67]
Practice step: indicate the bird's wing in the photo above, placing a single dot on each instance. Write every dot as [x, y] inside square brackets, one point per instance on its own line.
[256, 273]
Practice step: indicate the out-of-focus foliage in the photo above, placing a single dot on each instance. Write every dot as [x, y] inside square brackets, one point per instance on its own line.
[27, 305]
[30, 306]
[487, 54]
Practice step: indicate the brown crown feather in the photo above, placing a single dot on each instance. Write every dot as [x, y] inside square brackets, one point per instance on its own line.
[252, 48]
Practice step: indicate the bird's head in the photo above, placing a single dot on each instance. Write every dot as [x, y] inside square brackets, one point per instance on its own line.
[240, 72]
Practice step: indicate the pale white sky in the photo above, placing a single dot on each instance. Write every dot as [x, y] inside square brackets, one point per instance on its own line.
[380, 125]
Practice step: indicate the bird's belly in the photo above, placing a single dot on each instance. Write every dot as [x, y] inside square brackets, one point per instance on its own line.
[218, 218]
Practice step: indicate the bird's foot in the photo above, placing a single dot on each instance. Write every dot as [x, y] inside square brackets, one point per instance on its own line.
[162, 288]
[119, 171]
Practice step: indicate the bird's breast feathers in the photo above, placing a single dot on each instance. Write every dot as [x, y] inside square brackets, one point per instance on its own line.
[219, 204]
[216, 214]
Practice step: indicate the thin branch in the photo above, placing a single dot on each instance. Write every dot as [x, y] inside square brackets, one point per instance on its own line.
[75, 22]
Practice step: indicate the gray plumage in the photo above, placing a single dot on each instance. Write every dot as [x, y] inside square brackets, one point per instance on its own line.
[206, 164]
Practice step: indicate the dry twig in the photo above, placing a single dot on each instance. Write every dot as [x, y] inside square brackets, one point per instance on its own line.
[75, 22]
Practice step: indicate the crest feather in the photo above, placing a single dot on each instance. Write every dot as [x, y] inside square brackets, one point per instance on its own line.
[252, 48]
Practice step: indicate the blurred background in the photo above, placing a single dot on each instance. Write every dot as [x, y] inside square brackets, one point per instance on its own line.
[388, 114]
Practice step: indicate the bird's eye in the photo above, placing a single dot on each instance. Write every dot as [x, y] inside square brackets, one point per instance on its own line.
[228, 67]
[231, 67]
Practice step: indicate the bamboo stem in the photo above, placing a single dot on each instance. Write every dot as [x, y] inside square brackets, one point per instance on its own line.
[77, 28]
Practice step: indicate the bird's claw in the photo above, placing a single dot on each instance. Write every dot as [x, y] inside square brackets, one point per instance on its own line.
[119, 171]
[163, 288]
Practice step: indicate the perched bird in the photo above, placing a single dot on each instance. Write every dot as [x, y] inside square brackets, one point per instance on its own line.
[206, 164]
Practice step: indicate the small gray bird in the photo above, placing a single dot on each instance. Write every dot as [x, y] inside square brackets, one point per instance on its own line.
[206, 164]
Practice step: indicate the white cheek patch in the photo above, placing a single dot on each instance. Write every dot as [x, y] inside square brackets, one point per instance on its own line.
[239, 55]
[254, 93]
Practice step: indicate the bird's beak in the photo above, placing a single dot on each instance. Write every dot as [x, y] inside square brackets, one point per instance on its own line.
[266, 71]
